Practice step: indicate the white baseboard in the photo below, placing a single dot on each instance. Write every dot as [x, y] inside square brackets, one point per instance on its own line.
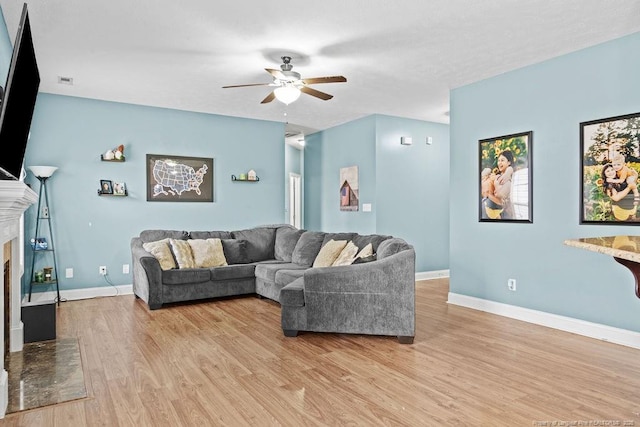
[86, 293]
[563, 323]
[16, 341]
[4, 392]
[428, 275]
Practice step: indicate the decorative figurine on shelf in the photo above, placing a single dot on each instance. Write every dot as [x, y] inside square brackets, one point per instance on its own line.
[115, 154]
[251, 176]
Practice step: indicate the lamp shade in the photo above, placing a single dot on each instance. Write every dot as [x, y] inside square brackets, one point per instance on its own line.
[43, 171]
[287, 94]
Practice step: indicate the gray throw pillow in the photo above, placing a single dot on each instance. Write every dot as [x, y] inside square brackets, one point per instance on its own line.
[286, 239]
[392, 246]
[362, 260]
[235, 251]
[307, 248]
[260, 242]
[209, 235]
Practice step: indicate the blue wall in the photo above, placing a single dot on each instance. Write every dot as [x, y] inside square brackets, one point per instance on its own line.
[6, 49]
[406, 185]
[550, 99]
[90, 230]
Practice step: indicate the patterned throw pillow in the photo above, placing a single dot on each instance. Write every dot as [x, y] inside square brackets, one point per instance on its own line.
[329, 252]
[161, 251]
[207, 253]
[182, 251]
[347, 255]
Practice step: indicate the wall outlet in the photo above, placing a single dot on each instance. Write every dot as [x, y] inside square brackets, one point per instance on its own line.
[69, 273]
[103, 270]
[125, 268]
[45, 212]
[511, 284]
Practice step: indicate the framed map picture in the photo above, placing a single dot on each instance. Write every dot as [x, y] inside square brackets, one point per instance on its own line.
[179, 178]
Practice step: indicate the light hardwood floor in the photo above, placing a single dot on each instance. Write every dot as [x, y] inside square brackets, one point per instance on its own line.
[226, 362]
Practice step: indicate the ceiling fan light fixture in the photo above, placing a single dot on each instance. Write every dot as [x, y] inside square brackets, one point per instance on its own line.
[287, 94]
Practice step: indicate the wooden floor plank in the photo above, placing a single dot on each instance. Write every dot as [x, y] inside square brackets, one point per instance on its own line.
[226, 362]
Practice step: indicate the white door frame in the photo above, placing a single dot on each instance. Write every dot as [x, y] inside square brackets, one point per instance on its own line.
[295, 200]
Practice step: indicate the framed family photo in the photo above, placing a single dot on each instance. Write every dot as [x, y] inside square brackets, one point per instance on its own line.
[610, 162]
[106, 186]
[505, 184]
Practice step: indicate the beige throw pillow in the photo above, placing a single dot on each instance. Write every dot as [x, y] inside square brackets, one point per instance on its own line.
[207, 253]
[365, 252]
[182, 251]
[161, 251]
[347, 255]
[329, 252]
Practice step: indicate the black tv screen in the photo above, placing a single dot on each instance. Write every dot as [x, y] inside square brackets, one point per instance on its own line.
[21, 90]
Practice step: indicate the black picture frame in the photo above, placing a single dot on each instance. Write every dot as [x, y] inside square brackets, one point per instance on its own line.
[106, 186]
[506, 195]
[179, 178]
[610, 162]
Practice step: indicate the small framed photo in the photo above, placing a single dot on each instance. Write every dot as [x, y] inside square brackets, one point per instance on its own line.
[505, 178]
[610, 160]
[106, 186]
[119, 189]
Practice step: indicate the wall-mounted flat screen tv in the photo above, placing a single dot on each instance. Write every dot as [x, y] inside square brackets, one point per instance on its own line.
[16, 112]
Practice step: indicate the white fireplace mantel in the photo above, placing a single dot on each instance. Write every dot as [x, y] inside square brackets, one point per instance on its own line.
[15, 198]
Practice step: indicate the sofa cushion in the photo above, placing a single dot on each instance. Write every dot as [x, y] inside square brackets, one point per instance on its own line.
[268, 271]
[231, 272]
[155, 235]
[284, 277]
[390, 247]
[209, 234]
[207, 253]
[293, 294]
[235, 251]
[260, 242]
[328, 253]
[182, 251]
[162, 252]
[307, 248]
[374, 239]
[186, 276]
[347, 255]
[286, 239]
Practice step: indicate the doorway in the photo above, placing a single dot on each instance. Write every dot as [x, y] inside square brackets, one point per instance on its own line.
[295, 200]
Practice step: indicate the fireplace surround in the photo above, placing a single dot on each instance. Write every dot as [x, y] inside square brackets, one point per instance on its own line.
[15, 198]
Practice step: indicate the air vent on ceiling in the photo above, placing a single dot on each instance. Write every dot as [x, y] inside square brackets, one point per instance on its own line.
[65, 80]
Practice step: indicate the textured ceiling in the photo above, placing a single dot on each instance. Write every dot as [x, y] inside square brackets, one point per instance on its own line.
[400, 58]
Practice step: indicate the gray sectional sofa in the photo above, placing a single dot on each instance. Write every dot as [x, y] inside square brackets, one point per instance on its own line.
[276, 262]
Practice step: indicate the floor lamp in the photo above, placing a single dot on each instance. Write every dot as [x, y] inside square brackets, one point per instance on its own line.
[43, 173]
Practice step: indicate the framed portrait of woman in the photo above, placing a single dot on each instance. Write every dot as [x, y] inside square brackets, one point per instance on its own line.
[505, 183]
[610, 151]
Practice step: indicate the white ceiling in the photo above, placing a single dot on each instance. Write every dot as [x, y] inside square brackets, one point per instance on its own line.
[400, 57]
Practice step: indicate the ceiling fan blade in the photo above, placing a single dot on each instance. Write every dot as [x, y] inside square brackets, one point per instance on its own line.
[316, 93]
[276, 73]
[328, 79]
[252, 84]
[269, 98]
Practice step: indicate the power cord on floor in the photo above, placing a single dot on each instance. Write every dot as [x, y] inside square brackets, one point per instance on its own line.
[106, 279]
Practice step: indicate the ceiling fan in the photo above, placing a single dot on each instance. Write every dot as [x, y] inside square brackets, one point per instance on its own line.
[288, 84]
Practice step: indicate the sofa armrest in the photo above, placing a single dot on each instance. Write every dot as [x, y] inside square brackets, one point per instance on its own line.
[147, 275]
